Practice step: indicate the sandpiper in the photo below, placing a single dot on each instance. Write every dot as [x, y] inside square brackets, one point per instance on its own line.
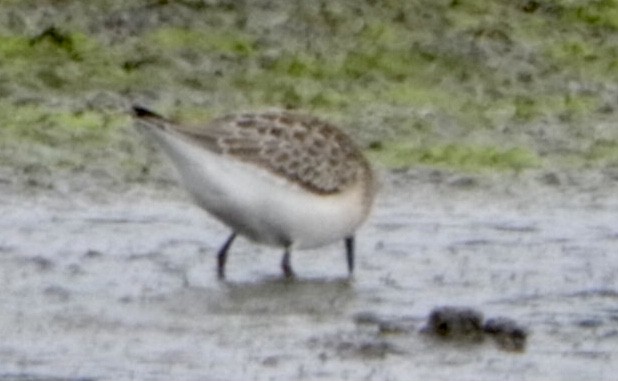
[278, 178]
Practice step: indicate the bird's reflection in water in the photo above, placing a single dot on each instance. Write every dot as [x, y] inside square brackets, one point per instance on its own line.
[270, 296]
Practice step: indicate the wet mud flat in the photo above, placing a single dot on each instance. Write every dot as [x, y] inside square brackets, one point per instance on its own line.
[122, 285]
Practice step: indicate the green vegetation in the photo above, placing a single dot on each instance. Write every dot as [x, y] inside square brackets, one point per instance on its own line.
[55, 61]
[468, 158]
[30, 123]
[602, 13]
[36, 135]
[175, 40]
[467, 85]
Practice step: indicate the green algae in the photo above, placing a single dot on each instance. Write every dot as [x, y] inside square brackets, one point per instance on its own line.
[462, 157]
[443, 72]
[601, 13]
[219, 41]
[36, 135]
[54, 128]
[58, 61]
[604, 152]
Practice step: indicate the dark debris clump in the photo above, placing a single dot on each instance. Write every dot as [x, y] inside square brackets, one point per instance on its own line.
[507, 333]
[456, 323]
[466, 324]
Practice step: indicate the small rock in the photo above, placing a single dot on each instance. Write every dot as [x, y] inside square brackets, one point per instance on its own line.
[551, 178]
[590, 323]
[270, 361]
[464, 182]
[456, 323]
[508, 334]
[366, 317]
[92, 254]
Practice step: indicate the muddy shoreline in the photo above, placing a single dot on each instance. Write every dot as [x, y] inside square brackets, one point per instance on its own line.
[119, 283]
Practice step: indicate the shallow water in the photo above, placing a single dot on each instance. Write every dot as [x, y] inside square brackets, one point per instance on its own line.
[123, 286]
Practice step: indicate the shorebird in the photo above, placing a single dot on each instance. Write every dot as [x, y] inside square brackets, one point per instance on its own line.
[278, 178]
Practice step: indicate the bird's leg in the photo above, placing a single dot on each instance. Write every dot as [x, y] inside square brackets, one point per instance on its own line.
[222, 255]
[285, 264]
[349, 251]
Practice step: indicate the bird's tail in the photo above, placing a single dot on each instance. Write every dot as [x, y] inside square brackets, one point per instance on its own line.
[147, 118]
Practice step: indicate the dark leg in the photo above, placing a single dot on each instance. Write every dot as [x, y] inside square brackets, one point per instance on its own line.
[222, 255]
[349, 251]
[285, 264]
